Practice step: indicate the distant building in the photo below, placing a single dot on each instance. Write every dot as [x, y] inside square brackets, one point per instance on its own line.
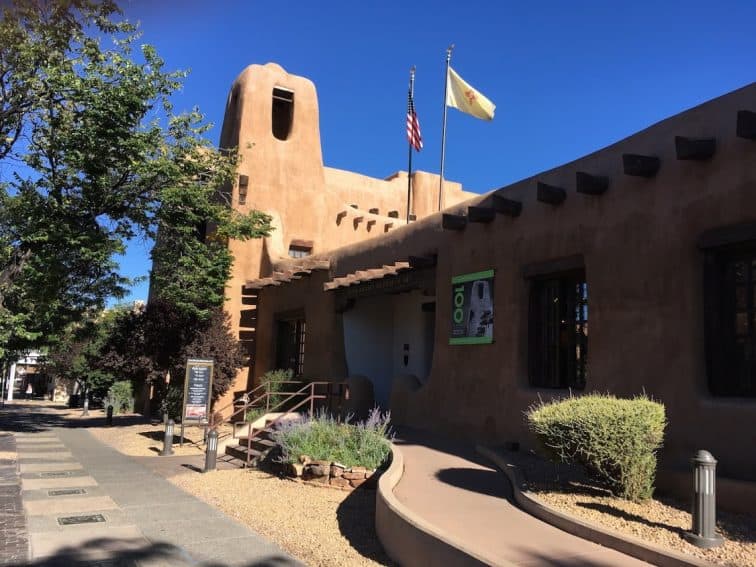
[25, 371]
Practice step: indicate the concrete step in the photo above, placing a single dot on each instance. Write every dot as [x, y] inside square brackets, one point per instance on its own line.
[240, 452]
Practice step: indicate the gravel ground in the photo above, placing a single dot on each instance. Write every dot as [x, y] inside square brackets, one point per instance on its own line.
[320, 526]
[658, 521]
[146, 440]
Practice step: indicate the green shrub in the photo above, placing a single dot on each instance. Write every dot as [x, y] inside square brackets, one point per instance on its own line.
[365, 443]
[614, 439]
[173, 403]
[121, 397]
[253, 414]
[275, 383]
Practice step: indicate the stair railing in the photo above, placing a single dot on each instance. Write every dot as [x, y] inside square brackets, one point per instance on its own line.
[308, 390]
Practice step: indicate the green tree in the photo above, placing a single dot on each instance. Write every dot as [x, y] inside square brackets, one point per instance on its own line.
[78, 355]
[92, 155]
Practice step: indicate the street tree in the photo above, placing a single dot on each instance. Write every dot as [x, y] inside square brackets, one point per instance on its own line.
[92, 155]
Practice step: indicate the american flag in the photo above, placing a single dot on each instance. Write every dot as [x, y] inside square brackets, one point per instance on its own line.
[413, 125]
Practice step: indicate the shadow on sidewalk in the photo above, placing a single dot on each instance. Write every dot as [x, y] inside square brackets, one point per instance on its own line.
[488, 482]
[104, 552]
[544, 560]
[356, 517]
[37, 417]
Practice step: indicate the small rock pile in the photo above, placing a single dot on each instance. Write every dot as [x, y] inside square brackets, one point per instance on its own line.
[333, 474]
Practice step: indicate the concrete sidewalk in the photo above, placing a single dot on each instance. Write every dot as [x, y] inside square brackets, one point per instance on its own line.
[448, 485]
[87, 504]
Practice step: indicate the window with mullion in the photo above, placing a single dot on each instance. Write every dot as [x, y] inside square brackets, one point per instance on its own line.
[734, 370]
[558, 331]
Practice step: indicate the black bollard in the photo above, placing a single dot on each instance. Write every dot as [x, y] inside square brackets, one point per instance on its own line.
[703, 533]
[168, 440]
[109, 418]
[211, 451]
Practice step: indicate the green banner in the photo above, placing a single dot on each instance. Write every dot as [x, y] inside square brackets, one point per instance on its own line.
[472, 308]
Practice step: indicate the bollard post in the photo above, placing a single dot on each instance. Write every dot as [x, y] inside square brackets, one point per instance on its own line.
[109, 417]
[168, 440]
[86, 405]
[211, 451]
[703, 532]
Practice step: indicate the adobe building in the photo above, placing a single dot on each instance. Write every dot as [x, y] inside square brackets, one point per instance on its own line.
[272, 118]
[464, 318]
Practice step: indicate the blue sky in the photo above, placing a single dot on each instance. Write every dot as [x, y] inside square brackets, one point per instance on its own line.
[567, 77]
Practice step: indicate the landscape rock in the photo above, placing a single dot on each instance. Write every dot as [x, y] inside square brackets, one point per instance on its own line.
[340, 482]
[354, 475]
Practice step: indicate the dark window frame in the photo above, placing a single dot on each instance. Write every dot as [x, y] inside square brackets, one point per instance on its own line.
[291, 340]
[558, 302]
[730, 311]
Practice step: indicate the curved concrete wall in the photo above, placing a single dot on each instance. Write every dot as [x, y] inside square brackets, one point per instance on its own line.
[407, 538]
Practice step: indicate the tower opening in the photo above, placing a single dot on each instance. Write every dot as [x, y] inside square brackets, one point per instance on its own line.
[283, 112]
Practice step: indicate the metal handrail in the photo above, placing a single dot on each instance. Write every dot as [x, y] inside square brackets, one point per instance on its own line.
[247, 403]
[290, 395]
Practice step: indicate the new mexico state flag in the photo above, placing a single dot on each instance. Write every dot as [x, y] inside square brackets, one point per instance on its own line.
[463, 97]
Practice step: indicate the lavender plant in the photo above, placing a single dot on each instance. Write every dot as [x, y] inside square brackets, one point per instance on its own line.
[324, 437]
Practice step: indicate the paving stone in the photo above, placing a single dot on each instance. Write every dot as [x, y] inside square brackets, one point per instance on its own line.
[69, 505]
[65, 482]
[45, 467]
[95, 543]
[14, 540]
[45, 455]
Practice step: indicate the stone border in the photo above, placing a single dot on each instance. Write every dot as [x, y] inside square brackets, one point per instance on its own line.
[608, 538]
[406, 537]
[331, 474]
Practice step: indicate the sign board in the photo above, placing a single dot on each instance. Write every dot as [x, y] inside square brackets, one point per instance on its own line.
[198, 390]
[472, 308]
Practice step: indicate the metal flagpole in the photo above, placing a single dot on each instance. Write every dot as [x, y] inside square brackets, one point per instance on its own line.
[443, 129]
[409, 143]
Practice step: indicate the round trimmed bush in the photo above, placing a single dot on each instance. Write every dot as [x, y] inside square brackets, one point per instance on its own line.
[614, 439]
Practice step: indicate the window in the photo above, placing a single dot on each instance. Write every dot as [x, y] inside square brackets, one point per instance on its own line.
[300, 248]
[290, 345]
[730, 319]
[558, 330]
[243, 185]
[283, 112]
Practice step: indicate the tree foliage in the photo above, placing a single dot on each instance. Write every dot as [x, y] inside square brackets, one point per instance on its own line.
[92, 155]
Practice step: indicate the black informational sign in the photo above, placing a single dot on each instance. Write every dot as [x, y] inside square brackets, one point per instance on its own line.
[198, 388]
[472, 308]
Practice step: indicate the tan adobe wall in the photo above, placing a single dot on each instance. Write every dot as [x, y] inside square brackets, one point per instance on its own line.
[645, 279]
[287, 179]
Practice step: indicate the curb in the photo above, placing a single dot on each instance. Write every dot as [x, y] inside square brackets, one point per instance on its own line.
[614, 540]
[410, 540]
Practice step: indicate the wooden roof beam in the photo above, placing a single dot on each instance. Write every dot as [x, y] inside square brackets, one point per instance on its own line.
[640, 166]
[746, 126]
[481, 214]
[505, 206]
[453, 222]
[694, 148]
[590, 184]
[550, 194]
[419, 262]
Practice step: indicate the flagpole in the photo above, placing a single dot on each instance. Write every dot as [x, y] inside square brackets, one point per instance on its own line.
[409, 144]
[443, 129]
